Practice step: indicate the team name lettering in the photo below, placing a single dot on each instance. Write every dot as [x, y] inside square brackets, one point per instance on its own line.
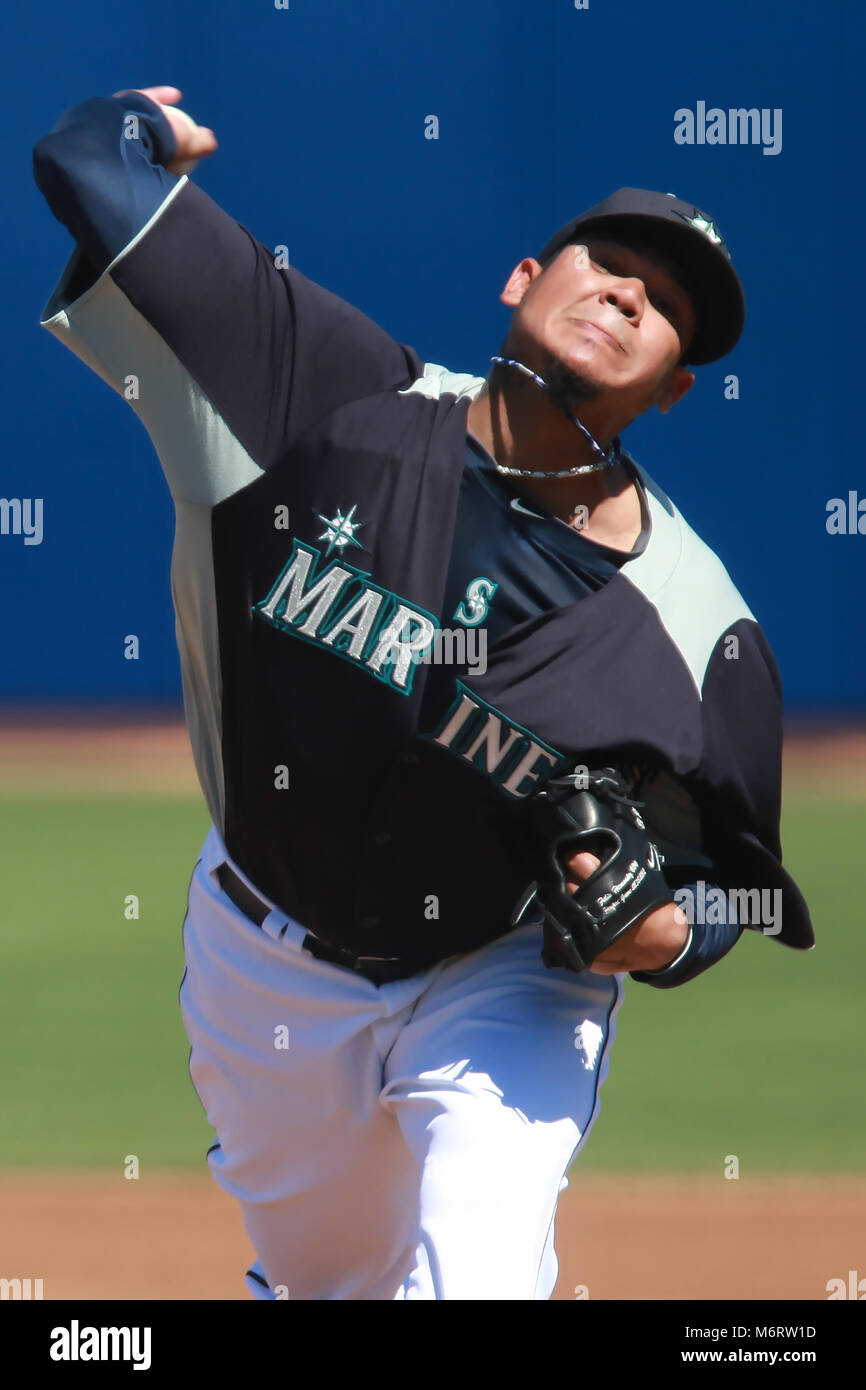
[341, 610]
[515, 759]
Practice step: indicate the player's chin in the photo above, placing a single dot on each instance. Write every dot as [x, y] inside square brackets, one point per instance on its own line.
[592, 361]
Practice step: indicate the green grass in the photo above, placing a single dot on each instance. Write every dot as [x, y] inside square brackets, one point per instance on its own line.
[94, 1048]
[761, 1058]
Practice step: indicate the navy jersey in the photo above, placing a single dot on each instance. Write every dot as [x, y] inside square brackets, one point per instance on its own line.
[326, 535]
[539, 560]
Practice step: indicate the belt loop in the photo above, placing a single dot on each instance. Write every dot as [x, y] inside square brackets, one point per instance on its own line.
[275, 925]
[271, 920]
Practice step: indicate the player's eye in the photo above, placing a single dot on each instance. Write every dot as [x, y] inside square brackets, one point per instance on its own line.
[665, 307]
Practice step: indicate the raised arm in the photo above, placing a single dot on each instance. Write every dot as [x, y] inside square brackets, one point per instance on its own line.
[226, 353]
[108, 164]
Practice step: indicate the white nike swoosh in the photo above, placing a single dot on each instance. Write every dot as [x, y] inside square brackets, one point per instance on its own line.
[519, 507]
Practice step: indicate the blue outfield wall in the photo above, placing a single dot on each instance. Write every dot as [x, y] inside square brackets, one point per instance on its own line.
[543, 109]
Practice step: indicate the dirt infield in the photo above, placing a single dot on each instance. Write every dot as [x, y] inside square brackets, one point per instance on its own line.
[119, 754]
[181, 1238]
[91, 756]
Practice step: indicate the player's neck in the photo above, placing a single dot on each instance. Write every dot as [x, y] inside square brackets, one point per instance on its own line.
[522, 432]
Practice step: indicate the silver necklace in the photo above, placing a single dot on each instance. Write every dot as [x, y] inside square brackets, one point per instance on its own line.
[610, 459]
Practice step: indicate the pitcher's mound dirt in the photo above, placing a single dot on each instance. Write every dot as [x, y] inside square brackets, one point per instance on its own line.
[178, 1237]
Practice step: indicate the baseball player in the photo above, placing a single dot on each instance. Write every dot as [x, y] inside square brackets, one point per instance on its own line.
[430, 870]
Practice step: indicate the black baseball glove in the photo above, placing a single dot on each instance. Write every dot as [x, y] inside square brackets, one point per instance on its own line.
[591, 810]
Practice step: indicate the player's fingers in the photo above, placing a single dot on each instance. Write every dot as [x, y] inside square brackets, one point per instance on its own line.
[581, 865]
[204, 141]
[166, 96]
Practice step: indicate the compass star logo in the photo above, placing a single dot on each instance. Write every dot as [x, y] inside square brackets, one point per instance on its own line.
[340, 529]
[705, 225]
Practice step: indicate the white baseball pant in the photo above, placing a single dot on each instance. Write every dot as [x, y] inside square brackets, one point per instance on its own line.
[406, 1141]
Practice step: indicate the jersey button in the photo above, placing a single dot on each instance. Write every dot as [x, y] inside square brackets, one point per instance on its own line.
[382, 837]
[368, 923]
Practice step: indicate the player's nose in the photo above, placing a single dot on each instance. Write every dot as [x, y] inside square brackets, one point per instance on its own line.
[628, 297]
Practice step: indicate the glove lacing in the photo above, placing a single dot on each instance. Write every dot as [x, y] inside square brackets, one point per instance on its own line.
[580, 782]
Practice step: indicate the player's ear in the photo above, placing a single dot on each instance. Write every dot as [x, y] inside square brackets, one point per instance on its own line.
[519, 281]
[681, 381]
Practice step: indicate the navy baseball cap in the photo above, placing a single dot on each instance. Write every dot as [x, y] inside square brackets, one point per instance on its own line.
[691, 239]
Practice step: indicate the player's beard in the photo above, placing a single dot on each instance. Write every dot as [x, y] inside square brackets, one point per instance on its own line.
[567, 388]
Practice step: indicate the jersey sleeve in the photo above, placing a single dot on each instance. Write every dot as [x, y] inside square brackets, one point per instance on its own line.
[708, 941]
[226, 354]
[738, 786]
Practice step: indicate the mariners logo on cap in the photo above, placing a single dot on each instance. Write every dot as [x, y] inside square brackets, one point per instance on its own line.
[705, 225]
